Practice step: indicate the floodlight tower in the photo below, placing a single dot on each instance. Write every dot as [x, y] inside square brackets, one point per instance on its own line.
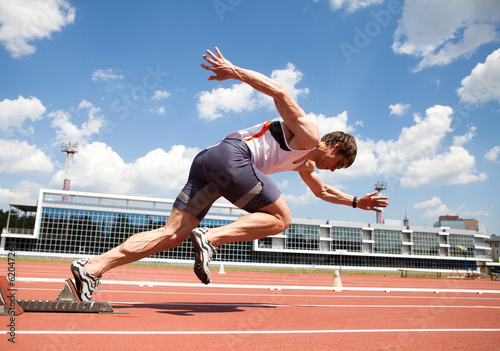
[380, 186]
[70, 150]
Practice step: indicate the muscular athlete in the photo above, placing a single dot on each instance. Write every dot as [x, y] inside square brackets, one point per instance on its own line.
[236, 168]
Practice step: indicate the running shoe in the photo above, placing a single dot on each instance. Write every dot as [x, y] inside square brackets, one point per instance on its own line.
[86, 283]
[203, 252]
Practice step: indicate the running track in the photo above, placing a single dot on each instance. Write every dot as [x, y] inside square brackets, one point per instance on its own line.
[171, 310]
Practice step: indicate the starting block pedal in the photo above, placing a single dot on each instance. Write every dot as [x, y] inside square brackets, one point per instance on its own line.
[67, 301]
[8, 302]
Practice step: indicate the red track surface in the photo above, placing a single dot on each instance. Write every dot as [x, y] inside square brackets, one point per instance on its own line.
[207, 318]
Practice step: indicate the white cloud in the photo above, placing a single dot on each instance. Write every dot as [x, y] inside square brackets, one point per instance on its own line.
[441, 210]
[492, 155]
[67, 131]
[456, 166]
[106, 75]
[289, 77]
[415, 142]
[13, 113]
[439, 32]
[473, 214]
[304, 199]
[436, 208]
[352, 5]
[416, 157]
[283, 184]
[20, 157]
[435, 201]
[24, 190]
[238, 98]
[160, 95]
[242, 97]
[23, 21]
[159, 110]
[150, 172]
[98, 168]
[399, 109]
[331, 124]
[460, 140]
[483, 84]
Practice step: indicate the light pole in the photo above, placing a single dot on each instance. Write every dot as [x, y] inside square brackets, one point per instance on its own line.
[341, 252]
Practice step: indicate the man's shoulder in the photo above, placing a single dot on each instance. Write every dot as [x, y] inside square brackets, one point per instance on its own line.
[304, 136]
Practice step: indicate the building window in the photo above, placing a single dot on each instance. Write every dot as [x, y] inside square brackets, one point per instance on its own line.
[349, 239]
[387, 242]
[265, 243]
[425, 244]
[463, 240]
[302, 237]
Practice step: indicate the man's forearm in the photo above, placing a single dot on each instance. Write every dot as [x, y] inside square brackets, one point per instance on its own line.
[304, 131]
[336, 196]
[259, 82]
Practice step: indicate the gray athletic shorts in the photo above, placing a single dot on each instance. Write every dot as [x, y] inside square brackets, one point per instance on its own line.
[226, 170]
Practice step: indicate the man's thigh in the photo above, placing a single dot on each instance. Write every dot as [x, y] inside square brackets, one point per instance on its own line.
[226, 170]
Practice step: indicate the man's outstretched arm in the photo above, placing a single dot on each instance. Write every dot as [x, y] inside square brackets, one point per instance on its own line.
[335, 196]
[304, 130]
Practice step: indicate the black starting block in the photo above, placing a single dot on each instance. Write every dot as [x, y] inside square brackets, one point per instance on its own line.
[67, 301]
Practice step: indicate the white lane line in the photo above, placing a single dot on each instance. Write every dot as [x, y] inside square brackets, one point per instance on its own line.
[402, 297]
[275, 287]
[210, 304]
[226, 332]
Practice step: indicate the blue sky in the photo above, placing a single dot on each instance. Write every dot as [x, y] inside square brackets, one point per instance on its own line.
[416, 82]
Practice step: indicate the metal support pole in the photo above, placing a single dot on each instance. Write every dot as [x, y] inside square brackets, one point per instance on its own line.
[340, 263]
[466, 266]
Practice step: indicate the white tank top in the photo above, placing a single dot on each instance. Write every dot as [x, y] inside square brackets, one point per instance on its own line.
[270, 150]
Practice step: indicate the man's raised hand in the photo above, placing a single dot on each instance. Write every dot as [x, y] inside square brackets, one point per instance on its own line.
[222, 68]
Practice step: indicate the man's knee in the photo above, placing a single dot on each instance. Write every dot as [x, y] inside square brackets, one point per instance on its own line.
[281, 213]
[173, 238]
[178, 227]
[287, 220]
[284, 219]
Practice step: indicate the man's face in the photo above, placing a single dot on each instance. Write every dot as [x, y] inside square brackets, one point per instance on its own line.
[332, 159]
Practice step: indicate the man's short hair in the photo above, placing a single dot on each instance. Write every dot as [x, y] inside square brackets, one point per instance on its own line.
[348, 146]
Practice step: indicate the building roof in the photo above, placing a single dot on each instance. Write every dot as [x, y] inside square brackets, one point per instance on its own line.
[24, 205]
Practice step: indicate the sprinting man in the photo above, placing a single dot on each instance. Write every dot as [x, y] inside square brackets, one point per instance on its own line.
[236, 168]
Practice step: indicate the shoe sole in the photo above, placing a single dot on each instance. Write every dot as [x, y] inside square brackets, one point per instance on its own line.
[201, 264]
[75, 269]
[78, 280]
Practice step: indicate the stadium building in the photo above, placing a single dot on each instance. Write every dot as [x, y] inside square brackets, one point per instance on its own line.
[80, 224]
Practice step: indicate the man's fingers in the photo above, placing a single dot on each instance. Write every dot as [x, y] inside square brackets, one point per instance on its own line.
[211, 54]
[218, 52]
[208, 59]
[210, 68]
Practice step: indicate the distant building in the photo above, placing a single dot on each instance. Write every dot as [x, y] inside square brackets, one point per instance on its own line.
[494, 253]
[88, 224]
[456, 222]
[494, 242]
